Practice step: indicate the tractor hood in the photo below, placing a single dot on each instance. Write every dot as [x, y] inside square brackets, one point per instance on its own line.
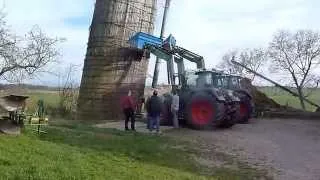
[229, 95]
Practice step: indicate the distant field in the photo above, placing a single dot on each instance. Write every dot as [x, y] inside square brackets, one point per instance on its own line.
[51, 98]
[285, 98]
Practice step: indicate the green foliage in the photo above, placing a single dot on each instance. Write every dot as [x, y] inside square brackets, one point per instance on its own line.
[284, 98]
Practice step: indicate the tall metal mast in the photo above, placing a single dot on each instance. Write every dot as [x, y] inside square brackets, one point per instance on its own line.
[164, 22]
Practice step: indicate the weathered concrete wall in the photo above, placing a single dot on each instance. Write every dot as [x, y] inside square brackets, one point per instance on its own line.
[111, 68]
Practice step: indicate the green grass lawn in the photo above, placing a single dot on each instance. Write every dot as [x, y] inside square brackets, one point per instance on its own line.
[285, 98]
[82, 152]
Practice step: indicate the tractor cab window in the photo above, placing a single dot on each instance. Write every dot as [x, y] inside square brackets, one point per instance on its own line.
[234, 82]
[204, 80]
[224, 82]
[191, 80]
[218, 81]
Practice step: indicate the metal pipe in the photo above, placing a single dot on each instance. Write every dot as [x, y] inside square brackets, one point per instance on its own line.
[171, 70]
[163, 27]
[181, 69]
[168, 71]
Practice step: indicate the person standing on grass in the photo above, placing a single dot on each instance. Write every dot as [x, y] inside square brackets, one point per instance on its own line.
[154, 107]
[175, 109]
[127, 104]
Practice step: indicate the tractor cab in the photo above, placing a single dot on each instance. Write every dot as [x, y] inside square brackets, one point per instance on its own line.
[230, 81]
[204, 79]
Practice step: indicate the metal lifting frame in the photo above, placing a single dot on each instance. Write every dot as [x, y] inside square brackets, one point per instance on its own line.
[192, 57]
[168, 51]
[177, 55]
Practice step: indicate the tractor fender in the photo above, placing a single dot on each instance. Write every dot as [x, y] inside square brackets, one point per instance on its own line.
[215, 93]
[232, 95]
[218, 94]
[244, 92]
[227, 95]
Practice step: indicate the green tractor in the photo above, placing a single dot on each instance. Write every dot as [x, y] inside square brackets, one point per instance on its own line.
[208, 98]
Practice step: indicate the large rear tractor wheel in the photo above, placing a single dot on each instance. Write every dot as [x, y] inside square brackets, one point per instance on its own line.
[202, 111]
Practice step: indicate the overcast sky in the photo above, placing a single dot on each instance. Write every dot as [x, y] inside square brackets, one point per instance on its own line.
[207, 27]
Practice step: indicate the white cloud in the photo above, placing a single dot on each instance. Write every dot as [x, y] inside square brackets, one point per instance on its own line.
[53, 16]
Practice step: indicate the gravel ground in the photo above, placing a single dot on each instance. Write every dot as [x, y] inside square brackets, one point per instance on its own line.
[287, 149]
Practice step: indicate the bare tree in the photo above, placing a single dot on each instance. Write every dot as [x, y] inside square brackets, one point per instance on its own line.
[297, 56]
[226, 64]
[68, 91]
[21, 57]
[252, 58]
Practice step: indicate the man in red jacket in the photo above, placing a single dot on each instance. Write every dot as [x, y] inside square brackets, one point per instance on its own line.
[127, 104]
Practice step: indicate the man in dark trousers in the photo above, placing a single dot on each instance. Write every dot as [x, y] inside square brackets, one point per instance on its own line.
[154, 107]
[127, 104]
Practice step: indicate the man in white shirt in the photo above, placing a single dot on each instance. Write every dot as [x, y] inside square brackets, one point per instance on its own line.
[175, 109]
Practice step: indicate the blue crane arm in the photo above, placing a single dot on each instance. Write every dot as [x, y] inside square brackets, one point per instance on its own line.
[168, 51]
[165, 49]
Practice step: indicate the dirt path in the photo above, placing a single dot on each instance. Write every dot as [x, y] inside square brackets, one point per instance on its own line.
[288, 149]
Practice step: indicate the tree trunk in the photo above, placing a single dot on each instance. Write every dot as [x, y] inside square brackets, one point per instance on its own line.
[300, 92]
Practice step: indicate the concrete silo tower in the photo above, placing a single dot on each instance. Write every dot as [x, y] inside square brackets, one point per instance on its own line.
[111, 68]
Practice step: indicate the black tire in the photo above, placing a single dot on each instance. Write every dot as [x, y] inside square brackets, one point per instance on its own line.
[236, 114]
[221, 113]
[166, 115]
[202, 111]
[246, 108]
[232, 119]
